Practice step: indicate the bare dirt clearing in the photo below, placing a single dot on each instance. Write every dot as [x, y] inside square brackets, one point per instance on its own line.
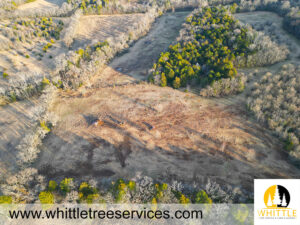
[161, 132]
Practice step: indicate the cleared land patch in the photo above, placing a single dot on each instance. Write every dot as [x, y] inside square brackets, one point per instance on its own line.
[100, 28]
[162, 133]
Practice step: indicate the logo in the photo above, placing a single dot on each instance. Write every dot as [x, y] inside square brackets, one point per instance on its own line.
[276, 201]
[277, 196]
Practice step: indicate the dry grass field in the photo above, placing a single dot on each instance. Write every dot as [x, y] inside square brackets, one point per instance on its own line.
[99, 28]
[41, 4]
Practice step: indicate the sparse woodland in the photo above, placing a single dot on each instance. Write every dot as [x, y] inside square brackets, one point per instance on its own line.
[274, 99]
[26, 30]
[13, 4]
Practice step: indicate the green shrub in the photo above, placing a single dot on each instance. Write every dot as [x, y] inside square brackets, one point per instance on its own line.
[88, 193]
[5, 199]
[65, 185]
[13, 96]
[46, 47]
[176, 82]
[202, 198]
[52, 185]
[289, 145]
[131, 185]
[163, 81]
[120, 189]
[5, 75]
[160, 188]
[44, 126]
[46, 197]
[183, 199]
[45, 82]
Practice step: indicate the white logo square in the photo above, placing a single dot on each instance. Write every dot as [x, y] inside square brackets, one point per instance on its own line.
[277, 201]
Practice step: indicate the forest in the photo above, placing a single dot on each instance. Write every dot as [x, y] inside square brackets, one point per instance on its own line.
[274, 99]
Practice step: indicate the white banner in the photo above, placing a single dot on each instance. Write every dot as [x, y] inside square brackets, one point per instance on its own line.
[214, 214]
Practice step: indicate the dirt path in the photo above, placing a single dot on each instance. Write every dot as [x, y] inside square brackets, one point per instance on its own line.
[140, 58]
[160, 132]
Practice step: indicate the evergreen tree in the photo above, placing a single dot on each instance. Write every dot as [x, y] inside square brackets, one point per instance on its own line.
[176, 83]
[270, 203]
[163, 80]
[283, 203]
[277, 200]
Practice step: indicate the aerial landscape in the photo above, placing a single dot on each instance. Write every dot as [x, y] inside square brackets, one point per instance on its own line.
[133, 101]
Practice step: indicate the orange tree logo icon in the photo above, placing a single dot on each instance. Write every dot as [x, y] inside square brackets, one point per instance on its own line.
[277, 196]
